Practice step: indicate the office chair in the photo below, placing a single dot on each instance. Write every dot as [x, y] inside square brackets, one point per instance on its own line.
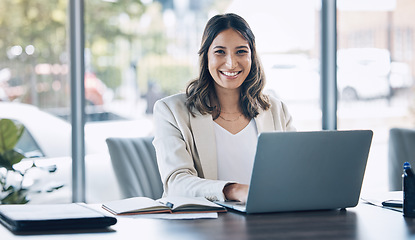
[401, 149]
[135, 167]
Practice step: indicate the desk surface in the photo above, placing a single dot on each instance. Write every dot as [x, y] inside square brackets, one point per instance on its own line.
[362, 222]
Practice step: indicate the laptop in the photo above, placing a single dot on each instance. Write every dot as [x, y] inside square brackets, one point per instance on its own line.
[25, 218]
[301, 171]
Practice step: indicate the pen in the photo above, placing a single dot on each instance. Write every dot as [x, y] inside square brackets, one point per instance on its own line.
[169, 204]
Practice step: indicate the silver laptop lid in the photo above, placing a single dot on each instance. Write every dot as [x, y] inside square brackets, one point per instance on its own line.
[295, 171]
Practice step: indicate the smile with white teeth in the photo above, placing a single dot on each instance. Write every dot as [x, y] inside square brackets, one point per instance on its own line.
[231, 74]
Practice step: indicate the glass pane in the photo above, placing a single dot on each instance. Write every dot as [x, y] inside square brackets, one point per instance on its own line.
[288, 39]
[34, 89]
[137, 53]
[375, 75]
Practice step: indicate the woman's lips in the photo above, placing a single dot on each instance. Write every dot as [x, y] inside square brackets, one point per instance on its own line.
[230, 74]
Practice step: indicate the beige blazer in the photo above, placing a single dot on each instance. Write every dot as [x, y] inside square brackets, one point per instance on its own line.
[186, 146]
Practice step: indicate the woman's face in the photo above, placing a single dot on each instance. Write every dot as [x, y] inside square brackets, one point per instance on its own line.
[229, 59]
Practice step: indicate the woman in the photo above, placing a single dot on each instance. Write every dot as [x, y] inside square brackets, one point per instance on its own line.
[206, 139]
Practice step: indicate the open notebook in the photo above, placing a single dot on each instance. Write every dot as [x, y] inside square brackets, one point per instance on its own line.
[297, 171]
[171, 204]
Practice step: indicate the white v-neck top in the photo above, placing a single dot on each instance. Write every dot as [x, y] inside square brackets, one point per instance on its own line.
[236, 153]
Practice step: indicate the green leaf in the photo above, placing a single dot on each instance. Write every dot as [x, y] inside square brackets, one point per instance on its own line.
[13, 156]
[10, 134]
[5, 163]
[51, 189]
[16, 197]
[51, 168]
[10, 188]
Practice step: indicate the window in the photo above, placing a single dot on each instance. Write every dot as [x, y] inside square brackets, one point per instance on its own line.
[137, 52]
[375, 75]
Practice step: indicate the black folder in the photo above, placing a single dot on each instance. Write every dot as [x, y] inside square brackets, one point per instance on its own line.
[45, 217]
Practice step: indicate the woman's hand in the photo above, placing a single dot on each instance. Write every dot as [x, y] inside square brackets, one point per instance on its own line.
[236, 191]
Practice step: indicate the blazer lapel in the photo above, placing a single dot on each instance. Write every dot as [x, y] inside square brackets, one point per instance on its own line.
[204, 137]
[265, 122]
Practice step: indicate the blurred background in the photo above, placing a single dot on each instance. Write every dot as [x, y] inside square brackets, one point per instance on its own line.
[139, 51]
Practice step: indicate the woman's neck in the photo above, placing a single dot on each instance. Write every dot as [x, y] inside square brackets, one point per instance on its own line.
[229, 100]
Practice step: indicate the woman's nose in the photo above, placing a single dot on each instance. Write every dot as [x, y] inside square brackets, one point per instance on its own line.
[231, 62]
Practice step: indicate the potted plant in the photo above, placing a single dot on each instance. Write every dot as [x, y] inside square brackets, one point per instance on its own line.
[13, 190]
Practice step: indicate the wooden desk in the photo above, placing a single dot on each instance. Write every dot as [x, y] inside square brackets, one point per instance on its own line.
[362, 222]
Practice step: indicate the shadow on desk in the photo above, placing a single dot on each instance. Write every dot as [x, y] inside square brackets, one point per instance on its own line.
[328, 224]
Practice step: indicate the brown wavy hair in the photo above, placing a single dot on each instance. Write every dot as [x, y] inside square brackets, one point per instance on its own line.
[202, 88]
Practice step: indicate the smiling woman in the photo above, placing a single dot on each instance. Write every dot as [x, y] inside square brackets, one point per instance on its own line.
[205, 140]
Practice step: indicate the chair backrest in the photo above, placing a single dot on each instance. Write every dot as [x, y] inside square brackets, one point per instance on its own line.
[135, 166]
[401, 149]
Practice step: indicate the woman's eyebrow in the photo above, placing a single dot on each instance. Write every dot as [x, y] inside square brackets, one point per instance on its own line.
[239, 47]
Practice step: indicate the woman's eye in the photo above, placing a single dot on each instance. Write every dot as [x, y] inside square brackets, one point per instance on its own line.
[241, 52]
[220, 52]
